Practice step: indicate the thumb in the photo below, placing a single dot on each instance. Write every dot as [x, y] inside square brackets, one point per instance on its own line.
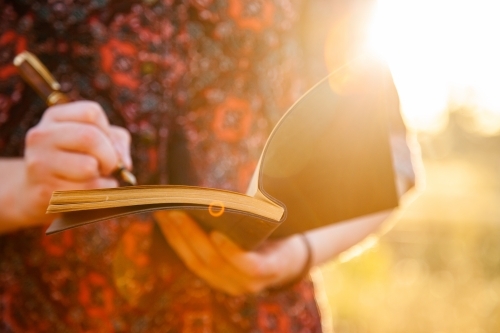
[120, 138]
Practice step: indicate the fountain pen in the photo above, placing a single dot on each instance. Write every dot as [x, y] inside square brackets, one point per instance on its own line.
[39, 78]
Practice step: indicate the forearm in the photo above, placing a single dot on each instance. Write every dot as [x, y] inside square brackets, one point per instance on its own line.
[328, 242]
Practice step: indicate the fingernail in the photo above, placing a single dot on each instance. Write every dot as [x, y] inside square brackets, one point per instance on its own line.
[127, 162]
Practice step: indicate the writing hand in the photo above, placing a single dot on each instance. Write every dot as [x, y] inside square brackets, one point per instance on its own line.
[225, 266]
[72, 147]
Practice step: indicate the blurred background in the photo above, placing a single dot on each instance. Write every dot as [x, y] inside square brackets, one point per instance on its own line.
[438, 268]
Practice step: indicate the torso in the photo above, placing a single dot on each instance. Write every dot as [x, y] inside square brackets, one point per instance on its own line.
[199, 84]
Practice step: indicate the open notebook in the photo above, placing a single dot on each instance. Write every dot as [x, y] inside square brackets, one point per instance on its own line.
[327, 160]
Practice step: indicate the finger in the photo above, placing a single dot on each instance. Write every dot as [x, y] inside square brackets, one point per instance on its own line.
[200, 242]
[87, 112]
[81, 138]
[213, 275]
[74, 167]
[254, 264]
[196, 241]
[121, 141]
[245, 277]
[102, 182]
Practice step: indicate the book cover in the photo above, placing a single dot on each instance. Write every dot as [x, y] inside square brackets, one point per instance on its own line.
[327, 160]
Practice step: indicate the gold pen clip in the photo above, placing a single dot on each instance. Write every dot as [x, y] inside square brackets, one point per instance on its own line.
[39, 67]
[39, 78]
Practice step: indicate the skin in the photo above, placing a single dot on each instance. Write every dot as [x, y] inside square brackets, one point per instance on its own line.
[72, 147]
[225, 266]
[75, 147]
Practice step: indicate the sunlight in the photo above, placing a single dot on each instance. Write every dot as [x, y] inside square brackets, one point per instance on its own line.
[442, 53]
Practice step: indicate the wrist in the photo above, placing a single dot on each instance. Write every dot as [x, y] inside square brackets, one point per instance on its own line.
[303, 272]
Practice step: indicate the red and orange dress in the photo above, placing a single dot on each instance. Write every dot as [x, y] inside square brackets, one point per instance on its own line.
[199, 84]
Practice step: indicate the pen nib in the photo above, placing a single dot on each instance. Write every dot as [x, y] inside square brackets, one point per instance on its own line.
[128, 177]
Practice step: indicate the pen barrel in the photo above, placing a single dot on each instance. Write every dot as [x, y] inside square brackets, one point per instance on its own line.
[39, 78]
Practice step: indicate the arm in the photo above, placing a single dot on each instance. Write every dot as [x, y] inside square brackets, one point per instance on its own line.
[226, 267]
[72, 147]
[328, 242]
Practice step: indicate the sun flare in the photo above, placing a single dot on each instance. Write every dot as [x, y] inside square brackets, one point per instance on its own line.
[444, 54]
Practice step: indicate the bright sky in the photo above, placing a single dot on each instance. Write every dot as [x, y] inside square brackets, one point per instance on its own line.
[441, 53]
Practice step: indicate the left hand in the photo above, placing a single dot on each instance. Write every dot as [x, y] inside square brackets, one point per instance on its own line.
[223, 264]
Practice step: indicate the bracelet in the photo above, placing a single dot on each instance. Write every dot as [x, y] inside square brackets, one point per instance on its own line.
[305, 269]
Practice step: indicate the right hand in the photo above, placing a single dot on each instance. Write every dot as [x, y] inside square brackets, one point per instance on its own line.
[72, 147]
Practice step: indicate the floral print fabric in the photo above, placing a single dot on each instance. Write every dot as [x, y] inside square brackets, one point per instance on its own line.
[199, 84]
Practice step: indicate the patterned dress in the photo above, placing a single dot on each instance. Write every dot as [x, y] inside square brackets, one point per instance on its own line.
[199, 85]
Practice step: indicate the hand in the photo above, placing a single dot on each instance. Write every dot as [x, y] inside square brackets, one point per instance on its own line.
[72, 147]
[224, 265]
